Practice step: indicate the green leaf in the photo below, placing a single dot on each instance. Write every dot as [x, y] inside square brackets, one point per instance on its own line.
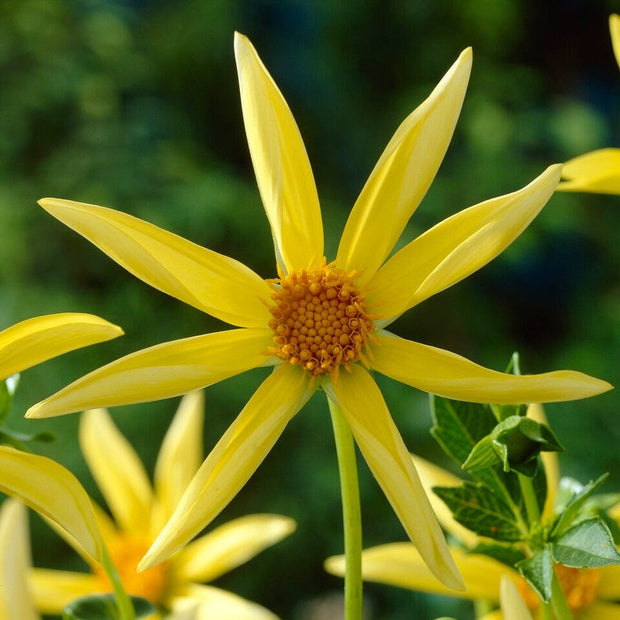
[477, 508]
[506, 554]
[103, 607]
[519, 440]
[482, 456]
[538, 572]
[589, 544]
[572, 499]
[6, 399]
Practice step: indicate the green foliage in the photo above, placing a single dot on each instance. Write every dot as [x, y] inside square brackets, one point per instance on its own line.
[588, 544]
[538, 572]
[103, 607]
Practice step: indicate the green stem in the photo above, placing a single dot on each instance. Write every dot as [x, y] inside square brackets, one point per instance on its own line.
[529, 496]
[123, 602]
[558, 601]
[351, 514]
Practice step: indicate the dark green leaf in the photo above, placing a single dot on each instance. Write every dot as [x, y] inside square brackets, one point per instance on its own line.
[538, 572]
[103, 607]
[589, 544]
[477, 508]
[506, 554]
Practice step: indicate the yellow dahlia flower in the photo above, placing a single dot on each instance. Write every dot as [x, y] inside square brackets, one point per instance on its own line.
[318, 323]
[592, 594]
[598, 171]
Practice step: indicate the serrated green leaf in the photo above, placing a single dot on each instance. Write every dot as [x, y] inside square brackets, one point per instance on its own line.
[538, 572]
[506, 554]
[103, 607]
[573, 498]
[589, 544]
[482, 456]
[477, 508]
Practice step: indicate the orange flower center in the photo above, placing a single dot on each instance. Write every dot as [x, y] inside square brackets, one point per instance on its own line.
[319, 320]
[579, 586]
[126, 552]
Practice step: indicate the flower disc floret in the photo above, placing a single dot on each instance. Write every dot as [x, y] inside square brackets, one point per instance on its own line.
[319, 320]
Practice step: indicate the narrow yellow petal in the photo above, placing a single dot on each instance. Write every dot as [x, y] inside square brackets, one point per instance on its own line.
[233, 460]
[433, 476]
[281, 164]
[15, 595]
[403, 174]
[35, 340]
[513, 606]
[53, 590]
[601, 610]
[457, 247]
[122, 478]
[211, 282]
[614, 28]
[399, 564]
[446, 374]
[180, 454]
[199, 602]
[55, 493]
[597, 172]
[230, 545]
[165, 370]
[362, 405]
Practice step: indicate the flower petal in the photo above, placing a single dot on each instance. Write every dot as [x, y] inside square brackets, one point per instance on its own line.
[35, 340]
[362, 405]
[513, 606]
[600, 610]
[211, 282]
[433, 476]
[198, 602]
[165, 370]
[281, 164]
[400, 564]
[403, 174]
[597, 172]
[614, 29]
[53, 590]
[55, 493]
[609, 586]
[230, 545]
[15, 596]
[456, 247]
[233, 460]
[180, 454]
[122, 479]
[446, 374]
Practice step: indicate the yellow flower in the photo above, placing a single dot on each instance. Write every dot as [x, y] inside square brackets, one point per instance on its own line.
[598, 171]
[36, 340]
[591, 593]
[139, 512]
[319, 324]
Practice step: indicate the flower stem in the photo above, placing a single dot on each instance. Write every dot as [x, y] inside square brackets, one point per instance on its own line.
[529, 496]
[558, 601]
[123, 602]
[351, 513]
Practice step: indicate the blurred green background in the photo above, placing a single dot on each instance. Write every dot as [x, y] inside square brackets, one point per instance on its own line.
[134, 105]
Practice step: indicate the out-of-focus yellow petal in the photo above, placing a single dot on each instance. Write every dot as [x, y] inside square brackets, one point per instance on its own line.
[233, 460]
[35, 340]
[230, 545]
[53, 590]
[456, 247]
[446, 374]
[494, 615]
[600, 610]
[180, 454]
[597, 172]
[165, 370]
[55, 493]
[403, 174]
[550, 463]
[281, 164]
[363, 407]
[212, 282]
[513, 606]
[609, 586]
[433, 476]
[117, 470]
[15, 595]
[614, 28]
[199, 602]
[400, 564]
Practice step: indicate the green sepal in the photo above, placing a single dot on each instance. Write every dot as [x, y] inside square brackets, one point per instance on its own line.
[589, 544]
[519, 440]
[506, 554]
[482, 456]
[476, 507]
[103, 607]
[571, 500]
[538, 572]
